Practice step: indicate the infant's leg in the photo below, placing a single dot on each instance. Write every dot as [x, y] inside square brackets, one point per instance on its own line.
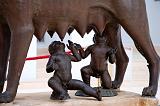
[86, 72]
[58, 91]
[79, 85]
[106, 80]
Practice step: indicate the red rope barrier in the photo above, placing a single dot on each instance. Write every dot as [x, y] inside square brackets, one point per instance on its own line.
[42, 57]
[38, 57]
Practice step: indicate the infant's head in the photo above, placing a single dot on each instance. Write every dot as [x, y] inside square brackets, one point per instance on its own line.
[56, 46]
[99, 39]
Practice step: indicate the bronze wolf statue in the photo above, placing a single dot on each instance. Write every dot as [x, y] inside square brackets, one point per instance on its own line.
[20, 19]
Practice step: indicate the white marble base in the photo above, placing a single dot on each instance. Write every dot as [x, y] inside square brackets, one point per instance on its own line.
[42, 99]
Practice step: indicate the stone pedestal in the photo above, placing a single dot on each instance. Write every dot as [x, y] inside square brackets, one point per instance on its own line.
[123, 99]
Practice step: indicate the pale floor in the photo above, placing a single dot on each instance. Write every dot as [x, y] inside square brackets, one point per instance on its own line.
[139, 77]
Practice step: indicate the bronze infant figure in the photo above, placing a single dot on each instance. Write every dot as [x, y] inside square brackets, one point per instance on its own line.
[98, 66]
[60, 62]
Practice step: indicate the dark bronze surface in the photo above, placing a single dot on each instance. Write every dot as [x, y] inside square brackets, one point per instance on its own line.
[20, 19]
[98, 67]
[60, 63]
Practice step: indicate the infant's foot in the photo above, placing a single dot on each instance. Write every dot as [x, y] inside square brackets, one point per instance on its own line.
[54, 95]
[99, 96]
[64, 96]
[57, 96]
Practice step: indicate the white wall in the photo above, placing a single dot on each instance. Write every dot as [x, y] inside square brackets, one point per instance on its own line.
[153, 10]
